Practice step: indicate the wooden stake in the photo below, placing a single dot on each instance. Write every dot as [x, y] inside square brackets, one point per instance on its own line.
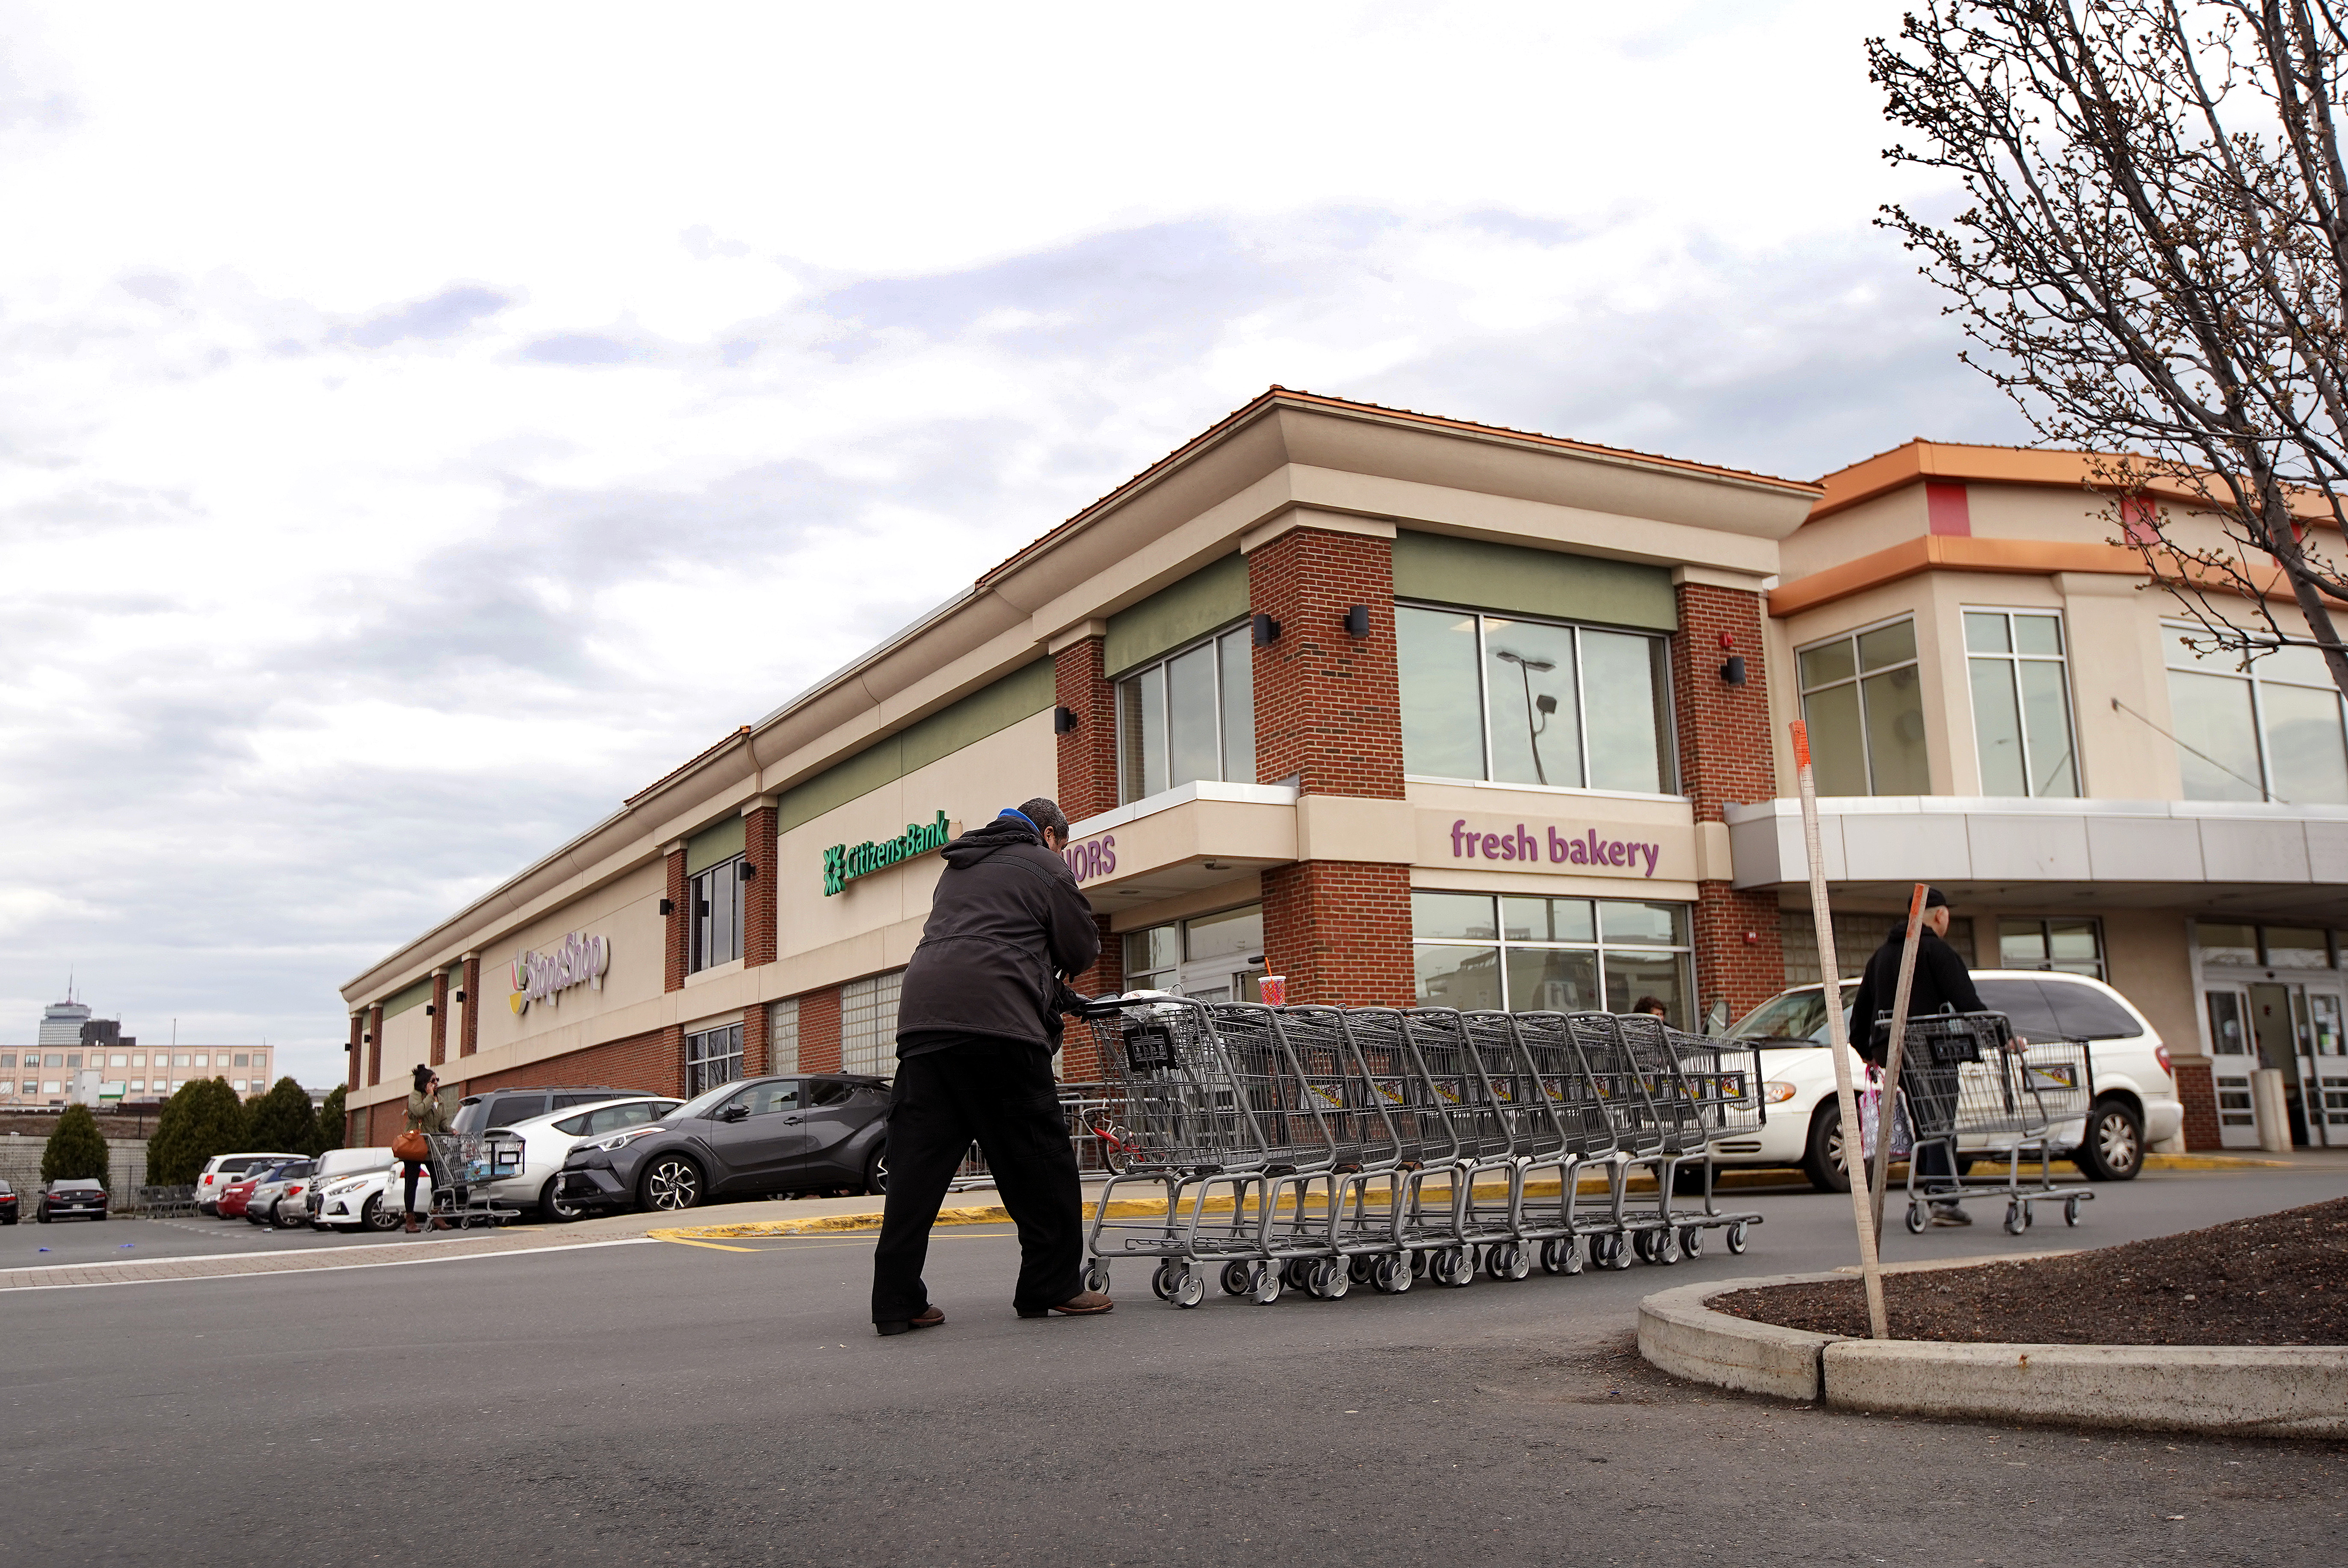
[1891, 1058]
[1870, 1272]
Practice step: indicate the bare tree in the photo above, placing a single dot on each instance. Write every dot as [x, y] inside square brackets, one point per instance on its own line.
[2153, 257]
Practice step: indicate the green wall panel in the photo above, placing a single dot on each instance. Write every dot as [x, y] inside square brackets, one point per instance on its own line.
[1475, 575]
[1020, 695]
[718, 842]
[1214, 596]
[414, 996]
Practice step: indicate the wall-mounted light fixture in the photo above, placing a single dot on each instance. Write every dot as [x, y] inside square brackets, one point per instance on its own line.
[1357, 621]
[456, 996]
[748, 870]
[1733, 672]
[1064, 720]
[429, 1009]
[366, 1039]
[1267, 631]
[668, 906]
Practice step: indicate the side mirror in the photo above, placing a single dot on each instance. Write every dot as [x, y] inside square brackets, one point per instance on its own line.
[734, 1113]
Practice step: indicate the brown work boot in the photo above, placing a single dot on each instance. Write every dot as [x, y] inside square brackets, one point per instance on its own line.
[412, 1226]
[1084, 1304]
[931, 1317]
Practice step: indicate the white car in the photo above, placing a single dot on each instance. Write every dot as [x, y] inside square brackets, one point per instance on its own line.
[224, 1170]
[358, 1200]
[2135, 1103]
[547, 1140]
[335, 1167]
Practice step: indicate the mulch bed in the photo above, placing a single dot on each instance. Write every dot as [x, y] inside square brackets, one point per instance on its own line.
[2277, 1279]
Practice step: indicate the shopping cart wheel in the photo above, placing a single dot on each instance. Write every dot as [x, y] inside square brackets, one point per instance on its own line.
[1390, 1276]
[1238, 1279]
[2014, 1219]
[1357, 1268]
[2027, 1216]
[2071, 1210]
[1097, 1277]
[1520, 1260]
[1569, 1254]
[1332, 1279]
[1618, 1256]
[1161, 1281]
[1917, 1219]
[1736, 1234]
[1496, 1259]
[1419, 1264]
[1295, 1273]
[1267, 1285]
[1665, 1249]
[1190, 1289]
[1691, 1240]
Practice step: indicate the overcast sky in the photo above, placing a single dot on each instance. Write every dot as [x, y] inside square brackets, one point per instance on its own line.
[421, 428]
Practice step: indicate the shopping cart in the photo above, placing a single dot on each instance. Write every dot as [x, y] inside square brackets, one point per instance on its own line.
[1614, 1229]
[1720, 1084]
[1320, 1230]
[1972, 1093]
[463, 1165]
[1447, 1238]
[1586, 1136]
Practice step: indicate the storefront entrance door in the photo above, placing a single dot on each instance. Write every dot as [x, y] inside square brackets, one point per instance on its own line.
[2323, 1069]
[2231, 1065]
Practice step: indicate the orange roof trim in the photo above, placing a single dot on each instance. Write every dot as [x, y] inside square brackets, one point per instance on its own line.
[1921, 459]
[687, 767]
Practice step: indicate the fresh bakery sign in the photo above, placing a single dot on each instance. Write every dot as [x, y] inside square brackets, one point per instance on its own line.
[1547, 848]
[543, 976]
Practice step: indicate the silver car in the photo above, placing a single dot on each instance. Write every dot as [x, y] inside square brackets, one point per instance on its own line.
[291, 1180]
[547, 1141]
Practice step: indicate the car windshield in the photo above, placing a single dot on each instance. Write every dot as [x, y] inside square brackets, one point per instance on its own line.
[1790, 1019]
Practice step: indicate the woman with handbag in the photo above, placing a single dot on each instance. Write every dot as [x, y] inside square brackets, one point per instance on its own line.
[424, 1114]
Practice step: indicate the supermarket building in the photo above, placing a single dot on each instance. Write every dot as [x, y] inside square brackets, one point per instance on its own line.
[1400, 706]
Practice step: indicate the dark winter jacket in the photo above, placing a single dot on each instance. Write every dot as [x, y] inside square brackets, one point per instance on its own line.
[1941, 980]
[1006, 924]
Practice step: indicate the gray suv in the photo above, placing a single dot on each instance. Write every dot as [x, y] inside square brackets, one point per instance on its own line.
[504, 1107]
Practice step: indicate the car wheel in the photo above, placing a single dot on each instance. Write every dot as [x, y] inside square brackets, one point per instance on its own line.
[876, 1174]
[670, 1183]
[2113, 1151]
[41, 1218]
[1822, 1160]
[378, 1215]
[551, 1206]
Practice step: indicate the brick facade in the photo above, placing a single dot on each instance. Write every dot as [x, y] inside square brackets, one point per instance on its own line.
[469, 1040]
[2198, 1091]
[351, 1072]
[1078, 1061]
[649, 1063]
[680, 925]
[758, 1025]
[439, 1017]
[1725, 756]
[1328, 706]
[1340, 932]
[1087, 754]
[374, 1045]
[760, 894]
[819, 1031]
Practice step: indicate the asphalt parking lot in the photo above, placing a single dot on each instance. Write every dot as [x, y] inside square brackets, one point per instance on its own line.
[643, 1400]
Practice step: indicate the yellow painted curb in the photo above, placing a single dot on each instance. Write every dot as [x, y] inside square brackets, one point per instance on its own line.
[2212, 1162]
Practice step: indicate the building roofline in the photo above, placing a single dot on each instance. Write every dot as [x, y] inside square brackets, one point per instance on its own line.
[1918, 460]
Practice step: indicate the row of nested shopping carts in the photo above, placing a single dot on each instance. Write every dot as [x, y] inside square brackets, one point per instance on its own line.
[1317, 1148]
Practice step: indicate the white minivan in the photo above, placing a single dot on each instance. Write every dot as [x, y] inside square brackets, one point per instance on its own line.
[2135, 1103]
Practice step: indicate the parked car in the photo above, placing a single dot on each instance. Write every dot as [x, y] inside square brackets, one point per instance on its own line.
[741, 1140]
[547, 1140]
[224, 1169]
[360, 1200]
[2134, 1102]
[283, 1182]
[504, 1107]
[237, 1194]
[66, 1200]
[333, 1168]
[7, 1204]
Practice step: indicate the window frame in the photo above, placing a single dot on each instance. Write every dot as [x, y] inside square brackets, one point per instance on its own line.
[701, 926]
[2257, 684]
[1244, 628]
[1802, 693]
[2014, 658]
[1666, 717]
[697, 1068]
[2103, 954]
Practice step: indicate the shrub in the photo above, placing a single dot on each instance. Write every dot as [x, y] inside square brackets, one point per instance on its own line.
[283, 1118]
[203, 1118]
[77, 1150]
[334, 1121]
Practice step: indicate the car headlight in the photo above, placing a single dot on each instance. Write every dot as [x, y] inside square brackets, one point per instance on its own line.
[344, 1189]
[621, 1140]
[1775, 1092]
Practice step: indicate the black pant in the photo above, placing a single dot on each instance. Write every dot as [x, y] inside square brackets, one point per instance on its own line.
[413, 1168]
[998, 1094]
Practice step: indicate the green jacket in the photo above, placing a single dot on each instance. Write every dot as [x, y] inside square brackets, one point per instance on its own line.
[425, 1113]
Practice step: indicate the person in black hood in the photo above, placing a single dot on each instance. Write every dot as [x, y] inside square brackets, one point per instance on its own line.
[1940, 982]
[978, 1018]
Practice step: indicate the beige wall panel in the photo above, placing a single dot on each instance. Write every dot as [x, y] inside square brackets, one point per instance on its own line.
[625, 913]
[1206, 901]
[1436, 878]
[2038, 512]
[2148, 961]
[406, 1041]
[1872, 525]
[2113, 635]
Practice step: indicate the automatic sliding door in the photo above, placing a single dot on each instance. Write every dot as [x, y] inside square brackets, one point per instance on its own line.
[2231, 1065]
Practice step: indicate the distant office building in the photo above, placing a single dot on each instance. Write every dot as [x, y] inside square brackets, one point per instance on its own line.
[72, 1043]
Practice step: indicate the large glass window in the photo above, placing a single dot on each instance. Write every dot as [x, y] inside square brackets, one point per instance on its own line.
[2073, 946]
[868, 1024]
[2272, 731]
[1533, 702]
[1188, 716]
[712, 1057]
[1214, 957]
[2021, 703]
[717, 895]
[1863, 702]
[1530, 953]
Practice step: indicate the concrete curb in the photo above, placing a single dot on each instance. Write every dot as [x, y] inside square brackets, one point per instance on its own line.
[2249, 1390]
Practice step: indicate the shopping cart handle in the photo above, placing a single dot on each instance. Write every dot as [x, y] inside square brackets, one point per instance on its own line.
[1106, 1007]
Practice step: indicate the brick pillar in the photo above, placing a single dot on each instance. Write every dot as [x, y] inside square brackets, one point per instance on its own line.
[2199, 1091]
[672, 1050]
[374, 1045]
[1088, 752]
[1079, 1062]
[819, 1031]
[439, 1016]
[756, 1022]
[1328, 712]
[679, 923]
[358, 1024]
[762, 895]
[469, 1039]
[1727, 754]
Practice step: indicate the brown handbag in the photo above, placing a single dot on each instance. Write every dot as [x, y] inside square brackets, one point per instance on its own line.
[410, 1145]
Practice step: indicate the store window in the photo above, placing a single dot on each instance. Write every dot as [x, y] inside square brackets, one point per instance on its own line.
[717, 905]
[2021, 703]
[1188, 716]
[1533, 702]
[1529, 955]
[2268, 732]
[783, 1036]
[712, 1057]
[868, 1024]
[1213, 957]
[2266, 946]
[1863, 702]
[2073, 946]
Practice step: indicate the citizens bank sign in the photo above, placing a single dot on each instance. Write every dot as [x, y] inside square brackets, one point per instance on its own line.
[544, 977]
[843, 864]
